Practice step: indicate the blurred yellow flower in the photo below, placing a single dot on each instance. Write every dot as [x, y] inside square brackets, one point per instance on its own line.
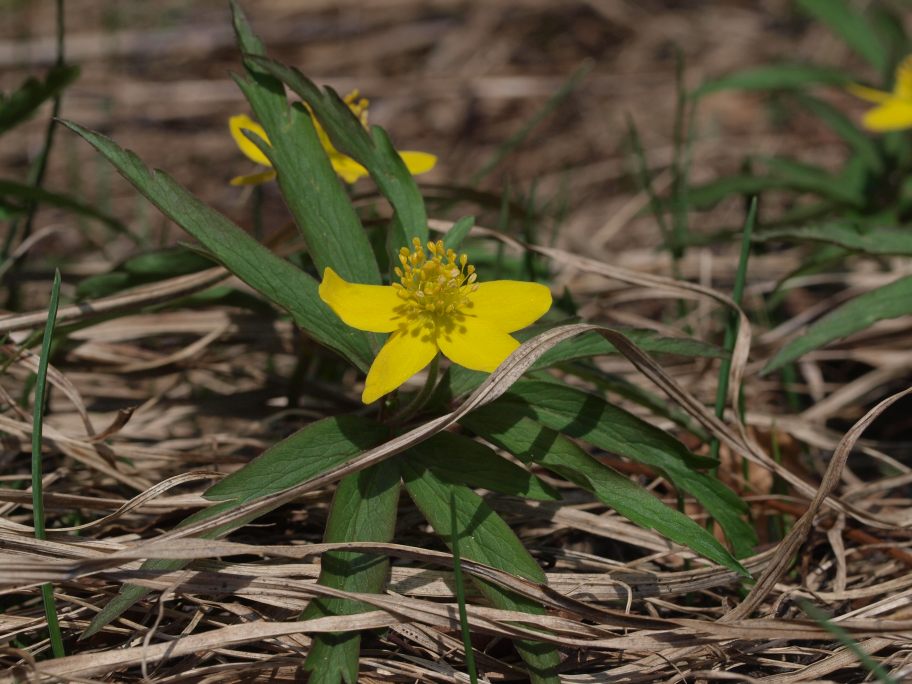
[347, 168]
[437, 305]
[894, 110]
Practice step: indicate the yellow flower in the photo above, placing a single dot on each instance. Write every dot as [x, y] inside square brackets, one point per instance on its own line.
[894, 110]
[435, 306]
[348, 169]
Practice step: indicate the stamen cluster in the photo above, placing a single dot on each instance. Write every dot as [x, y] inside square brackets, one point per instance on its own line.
[436, 282]
[358, 105]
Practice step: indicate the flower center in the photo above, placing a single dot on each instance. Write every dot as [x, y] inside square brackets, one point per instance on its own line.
[435, 283]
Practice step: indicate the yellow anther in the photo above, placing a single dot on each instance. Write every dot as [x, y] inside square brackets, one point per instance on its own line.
[434, 281]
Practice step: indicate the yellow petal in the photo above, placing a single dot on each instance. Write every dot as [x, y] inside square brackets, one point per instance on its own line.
[902, 87]
[509, 305]
[418, 162]
[241, 122]
[365, 307]
[348, 169]
[475, 343]
[405, 353]
[895, 115]
[869, 94]
[254, 178]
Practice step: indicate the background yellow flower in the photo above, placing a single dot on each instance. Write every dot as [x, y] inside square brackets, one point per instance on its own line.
[347, 168]
[894, 109]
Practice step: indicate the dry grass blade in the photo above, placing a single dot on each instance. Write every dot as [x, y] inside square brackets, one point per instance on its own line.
[29, 361]
[136, 502]
[798, 534]
[145, 295]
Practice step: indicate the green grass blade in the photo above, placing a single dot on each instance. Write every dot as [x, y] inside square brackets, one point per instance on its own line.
[461, 596]
[644, 177]
[836, 630]
[11, 191]
[47, 591]
[38, 167]
[775, 77]
[460, 230]
[847, 234]
[853, 27]
[890, 301]
[23, 102]
[864, 145]
[731, 326]
[783, 175]
[514, 141]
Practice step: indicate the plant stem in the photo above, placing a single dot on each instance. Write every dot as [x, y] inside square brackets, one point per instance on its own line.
[47, 591]
[36, 175]
[421, 398]
[731, 328]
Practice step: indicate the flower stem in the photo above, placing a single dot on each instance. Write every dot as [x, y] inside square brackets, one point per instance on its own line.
[421, 398]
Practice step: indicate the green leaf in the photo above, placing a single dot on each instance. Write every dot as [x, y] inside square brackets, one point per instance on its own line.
[593, 344]
[459, 460]
[298, 458]
[166, 263]
[586, 416]
[373, 150]
[529, 441]
[852, 26]
[483, 537]
[20, 104]
[775, 77]
[890, 301]
[152, 266]
[887, 23]
[810, 178]
[313, 192]
[247, 40]
[17, 196]
[460, 230]
[458, 381]
[880, 241]
[278, 280]
[364, 509]
[784, 174]
[863, 144]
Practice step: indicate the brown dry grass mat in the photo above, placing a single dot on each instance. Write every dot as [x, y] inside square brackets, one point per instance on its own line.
[151, 402]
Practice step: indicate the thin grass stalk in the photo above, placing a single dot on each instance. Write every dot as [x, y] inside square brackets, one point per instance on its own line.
[731, 328]
[679, 176]
[837, 631]
[47, 591]
[36, 175]
[515, 140]
[461, 598]
[645, 183]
